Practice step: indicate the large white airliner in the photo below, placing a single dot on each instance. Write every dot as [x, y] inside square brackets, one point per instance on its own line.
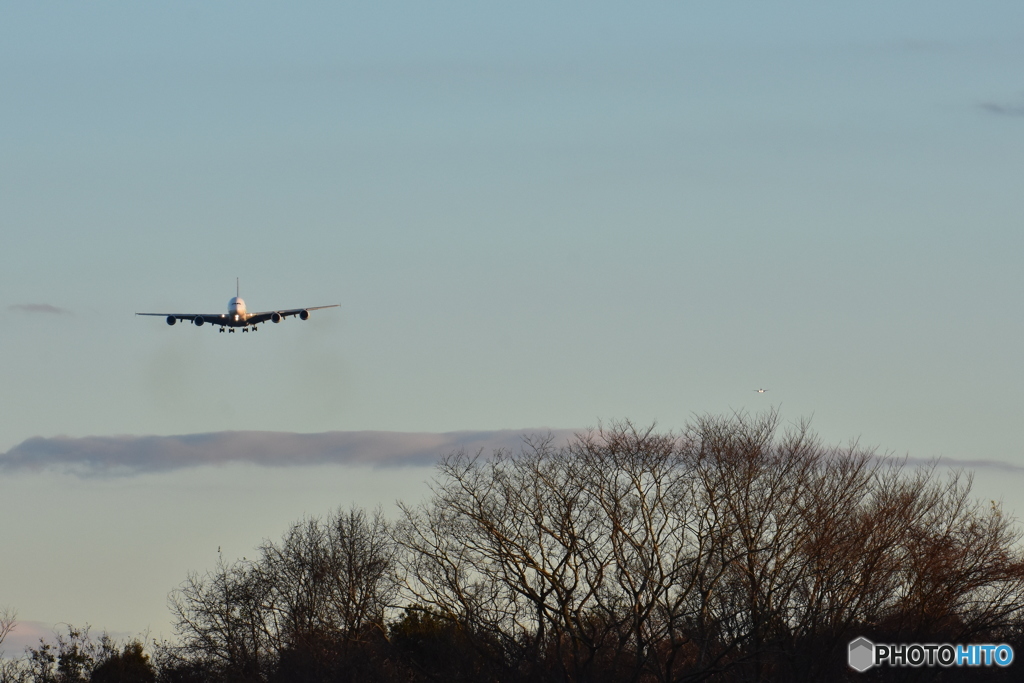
[237, 316]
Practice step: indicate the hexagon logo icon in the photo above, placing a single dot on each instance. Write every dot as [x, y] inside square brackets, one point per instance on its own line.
[861, 654]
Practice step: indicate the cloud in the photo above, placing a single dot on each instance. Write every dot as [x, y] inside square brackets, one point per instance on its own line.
[957, 463]
[38, 308]
[127, 455]
[25, 634]
[131, 455]
[1003, 109]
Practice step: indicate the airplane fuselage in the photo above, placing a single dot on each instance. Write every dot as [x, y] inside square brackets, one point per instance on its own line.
[236, 312]
[236, 316]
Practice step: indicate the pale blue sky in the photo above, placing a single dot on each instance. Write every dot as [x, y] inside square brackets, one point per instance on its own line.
[532, 215]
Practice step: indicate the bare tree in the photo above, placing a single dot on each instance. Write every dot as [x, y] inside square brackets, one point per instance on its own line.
[11, 670]
[665, 549]
[323, 587]
[588, 560]
[330, 582]
[729, 550]
[222, 621]
[833, 542]
[8, 620]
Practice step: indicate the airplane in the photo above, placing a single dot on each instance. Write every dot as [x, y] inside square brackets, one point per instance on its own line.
[238, 316]
[760, 391]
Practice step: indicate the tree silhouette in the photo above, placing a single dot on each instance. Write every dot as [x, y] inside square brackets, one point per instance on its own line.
[731, 551]
[734, 550]
[131, 665]
[307, 601]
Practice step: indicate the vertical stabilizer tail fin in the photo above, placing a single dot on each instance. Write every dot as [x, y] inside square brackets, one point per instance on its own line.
[236, 288]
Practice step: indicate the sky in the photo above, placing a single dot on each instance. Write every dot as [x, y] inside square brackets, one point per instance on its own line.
[534, 216]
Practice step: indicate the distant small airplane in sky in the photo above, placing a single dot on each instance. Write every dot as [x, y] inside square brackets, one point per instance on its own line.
[237, 316]
[760, 391]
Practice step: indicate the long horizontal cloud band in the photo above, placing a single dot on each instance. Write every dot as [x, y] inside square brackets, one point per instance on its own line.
[139, 454]
[126, 455]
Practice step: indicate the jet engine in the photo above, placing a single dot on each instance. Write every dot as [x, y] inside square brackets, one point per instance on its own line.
[276, 317]
[199, 321]
[304, 315]
[171, 320]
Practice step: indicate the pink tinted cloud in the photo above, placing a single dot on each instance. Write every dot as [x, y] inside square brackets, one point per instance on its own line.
[28, 634]
[25, 634]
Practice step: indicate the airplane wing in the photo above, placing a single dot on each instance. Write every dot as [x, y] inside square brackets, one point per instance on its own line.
[263, 316]
[213, 318]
